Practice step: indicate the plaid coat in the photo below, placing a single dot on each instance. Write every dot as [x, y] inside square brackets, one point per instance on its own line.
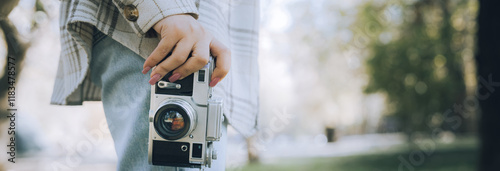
[233, 22]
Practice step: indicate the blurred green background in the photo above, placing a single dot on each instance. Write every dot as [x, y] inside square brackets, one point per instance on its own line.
[400, 68]
[460, 156]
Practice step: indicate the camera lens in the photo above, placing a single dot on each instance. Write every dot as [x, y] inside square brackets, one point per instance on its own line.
[174, 120]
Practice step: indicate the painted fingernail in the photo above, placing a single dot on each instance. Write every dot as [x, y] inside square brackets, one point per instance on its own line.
[174, 77]
[154, 79]
[214, 82]
[145, 70]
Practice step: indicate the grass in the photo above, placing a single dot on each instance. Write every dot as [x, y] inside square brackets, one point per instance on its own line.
[458, 156]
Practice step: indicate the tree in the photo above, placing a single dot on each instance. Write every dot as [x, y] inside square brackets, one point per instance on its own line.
[15, 50]
[416, 58]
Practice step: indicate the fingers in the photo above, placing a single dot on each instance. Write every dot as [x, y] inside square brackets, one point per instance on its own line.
[198, 59]
[222, 57]
[180, 36]
[164, 47]
[178, 57]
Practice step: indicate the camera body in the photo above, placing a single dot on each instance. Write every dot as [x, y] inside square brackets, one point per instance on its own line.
[184, 121]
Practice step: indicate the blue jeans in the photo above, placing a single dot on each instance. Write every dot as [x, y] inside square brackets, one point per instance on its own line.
[126, 100]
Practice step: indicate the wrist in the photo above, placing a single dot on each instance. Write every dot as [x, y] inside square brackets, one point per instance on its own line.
[162, 23]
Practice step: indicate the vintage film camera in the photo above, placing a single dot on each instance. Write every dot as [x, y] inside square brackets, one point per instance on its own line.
[184, 121]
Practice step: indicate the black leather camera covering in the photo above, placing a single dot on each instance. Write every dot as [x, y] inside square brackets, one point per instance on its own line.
[168, 153]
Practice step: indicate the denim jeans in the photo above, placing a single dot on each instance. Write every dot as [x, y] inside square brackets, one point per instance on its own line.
[126, 100]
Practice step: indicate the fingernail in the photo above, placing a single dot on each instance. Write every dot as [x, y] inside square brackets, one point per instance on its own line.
[214, 82]
[145, 70]
[174, 77]
[154, 79]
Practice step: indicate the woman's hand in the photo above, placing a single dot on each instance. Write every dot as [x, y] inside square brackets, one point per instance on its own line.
[182, 35]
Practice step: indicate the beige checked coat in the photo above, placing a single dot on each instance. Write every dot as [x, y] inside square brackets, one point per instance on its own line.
[233, 22]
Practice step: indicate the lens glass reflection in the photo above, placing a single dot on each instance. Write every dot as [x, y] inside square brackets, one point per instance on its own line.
[173, 121]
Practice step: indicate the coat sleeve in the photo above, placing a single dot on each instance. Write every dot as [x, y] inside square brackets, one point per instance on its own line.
[149, 12]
